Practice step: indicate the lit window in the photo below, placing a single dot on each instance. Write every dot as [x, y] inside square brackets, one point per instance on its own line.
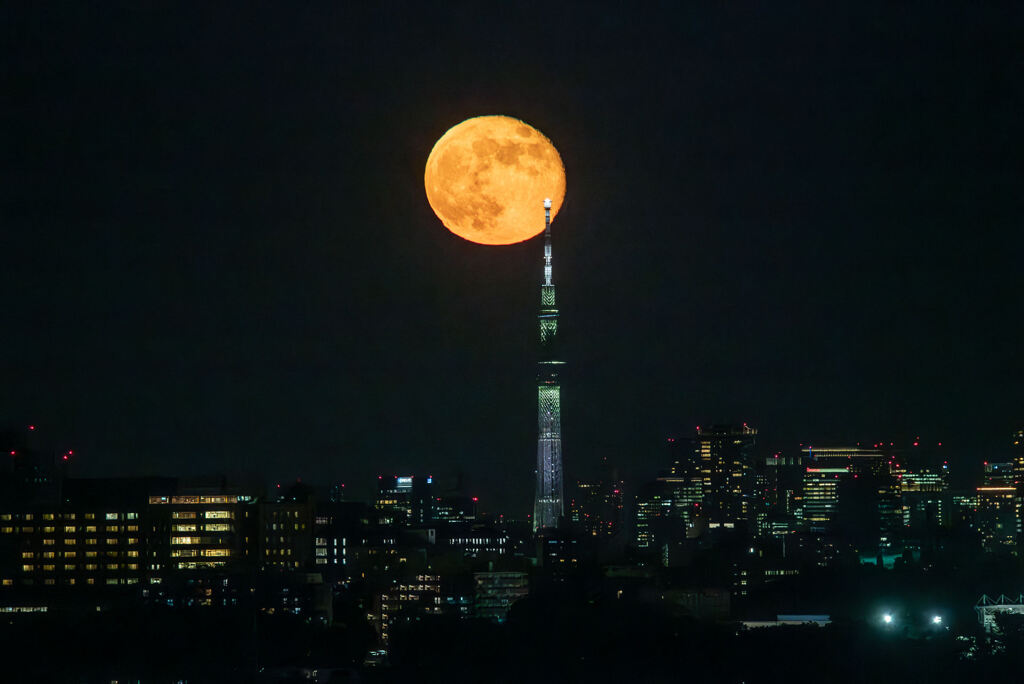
[222, 515]
[113, 516]
[48, 542]
[69, 541]
[70, 554]
[47, 516]
[183, 515]
[90, 528]
[49, 567]
[48, 529]
[70, 529]
[27, 554]
[111, 540]
[131, 516]
[27, 567]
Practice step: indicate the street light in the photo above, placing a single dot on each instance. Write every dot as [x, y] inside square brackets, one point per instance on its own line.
[936, 619]
[887, 618]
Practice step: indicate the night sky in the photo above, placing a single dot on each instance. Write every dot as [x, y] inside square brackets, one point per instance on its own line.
[218, 255]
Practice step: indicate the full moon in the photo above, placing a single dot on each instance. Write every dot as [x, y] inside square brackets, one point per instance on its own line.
[487, 179]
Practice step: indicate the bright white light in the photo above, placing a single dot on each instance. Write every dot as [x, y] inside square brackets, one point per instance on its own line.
[936, 619]
[887, 618]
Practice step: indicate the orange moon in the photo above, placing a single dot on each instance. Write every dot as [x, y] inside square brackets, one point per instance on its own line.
[487, 179]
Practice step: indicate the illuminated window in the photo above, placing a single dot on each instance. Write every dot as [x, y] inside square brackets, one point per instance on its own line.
[49, 567]
[131, 528]
[132, 566]
[70, 581]
[90, 528]
[5, 516]
[188, 527]
[48, 529]
[90, 516]
[48, 542]
[70, 554]
[8, 582]
[49, 581]
[113, 528]
[220, 515]
[7, 530]
[91, 566]
[28, 516]
[48, 554]
[218, 527]
[91, 541]
[70, 528]
[186, 540]
[111, 540]
[183, 515]
[47, 516]
[131, 516]
[27, 568]
[113, 566]
[27, 554]
[69, 541]
[90, 554]
[132, 554]
[112, 580]
[69, 516]
[217, 552]
[69, 566]
[113, 516]
[133, 540]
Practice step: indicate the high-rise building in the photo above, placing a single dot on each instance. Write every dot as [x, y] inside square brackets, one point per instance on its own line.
[405, 499]
[1018, 473]
[595, 507]
[996, 518]
[821, 496]
[497, 591]
[548, 507]
[724, 456]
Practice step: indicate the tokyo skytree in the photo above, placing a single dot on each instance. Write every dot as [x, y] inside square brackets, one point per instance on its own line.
[548, 507]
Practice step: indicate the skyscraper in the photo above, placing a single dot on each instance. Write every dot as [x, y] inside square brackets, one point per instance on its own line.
[548, 506]
[724, 456]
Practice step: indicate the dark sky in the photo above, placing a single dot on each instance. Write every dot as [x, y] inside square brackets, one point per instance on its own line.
[218, 255]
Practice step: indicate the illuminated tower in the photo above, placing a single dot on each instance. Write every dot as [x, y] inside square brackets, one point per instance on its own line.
[548, 502]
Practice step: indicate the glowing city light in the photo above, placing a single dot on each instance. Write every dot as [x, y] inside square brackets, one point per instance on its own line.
[887, 619]
[936, 619]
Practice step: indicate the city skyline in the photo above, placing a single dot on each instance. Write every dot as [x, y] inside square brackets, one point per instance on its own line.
[220, 258]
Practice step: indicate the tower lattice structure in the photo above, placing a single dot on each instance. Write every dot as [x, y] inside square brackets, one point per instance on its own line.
[548, 506]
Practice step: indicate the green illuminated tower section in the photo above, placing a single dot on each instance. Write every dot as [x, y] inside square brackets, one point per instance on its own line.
[548, 505]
